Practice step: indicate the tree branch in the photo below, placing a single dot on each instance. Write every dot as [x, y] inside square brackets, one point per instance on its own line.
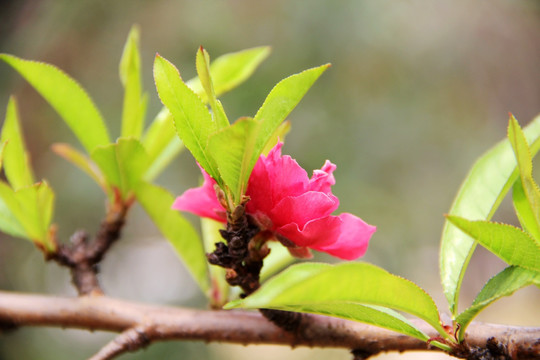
[141, 324]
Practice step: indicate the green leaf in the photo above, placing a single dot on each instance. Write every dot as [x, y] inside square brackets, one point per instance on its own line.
[16, 161]
[280, 102]
[81, 161]
[278, 135]
[512, 245]
[67, 97]
[130, 75]
[161, 144]
[28, 212]
[230, 70]
[485, 186]
[8, 219]
[202, 62]
[219, 291]
[193, 122]
[349, 290]
[123, 164]
[524, 159]
[523, 210]
[2, 148]
[232, 151]
[157, 202]
[504, 283]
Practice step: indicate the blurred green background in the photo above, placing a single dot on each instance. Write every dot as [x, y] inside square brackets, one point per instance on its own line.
[417, 91]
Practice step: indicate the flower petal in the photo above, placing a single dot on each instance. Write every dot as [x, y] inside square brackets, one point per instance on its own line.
[353, 239]
[323, 179]
[201, 201]
[288, 178]
[304, 208]
[315, 234]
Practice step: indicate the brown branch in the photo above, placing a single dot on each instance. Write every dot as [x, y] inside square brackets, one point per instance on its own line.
[82, 256]
[142, 324]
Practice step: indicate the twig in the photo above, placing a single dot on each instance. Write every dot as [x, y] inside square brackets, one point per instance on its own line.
[167, 323]
[130, 340]
[82, 256]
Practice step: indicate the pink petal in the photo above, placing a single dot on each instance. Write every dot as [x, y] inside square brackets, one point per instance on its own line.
[201, 201]
[323, 179]
[315, 234]
[304, 208]
[287, 177]
[353, 239]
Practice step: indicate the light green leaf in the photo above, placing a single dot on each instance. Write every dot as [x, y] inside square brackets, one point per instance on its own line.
[193, 122]
[81, 161]
[219, 289]
[67, 97]
[2, 148]
[485, 186]
[504, 283]
[132, 161]
[123, 164]
[157, 203]
[524, 159]
[202, 62]
[230, 70]
[9, 222]
[512, 245]
[278, 135]
[280, 102]
[161, 144]
[31, 210]
[353, 291]
[16, 161]
[105, 158]
[524, 212]
[130, 75]
[232, 150]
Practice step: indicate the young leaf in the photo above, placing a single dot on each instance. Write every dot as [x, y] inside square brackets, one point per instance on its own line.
[230, 70]
[2, 148]
[123, 163]
[504, 283]
[479, 196]
[130, 75]
[219, 291]
[512, 245]
[232, 150]
[132, 161]
[81, 161]
[161, 143]
[30, 212]
[348, 290]
[202, 62]
[523, 210]
[524, 159]
[279, 103]
[16, 162]
[193, 122]
[278, 135]
[9, 222]
[67, 97]
[157, 202]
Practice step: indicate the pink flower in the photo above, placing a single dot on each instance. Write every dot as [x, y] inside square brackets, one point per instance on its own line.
[294, 208]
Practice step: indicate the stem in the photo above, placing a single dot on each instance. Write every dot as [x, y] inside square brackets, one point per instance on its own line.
[159, 323]
[82, 256]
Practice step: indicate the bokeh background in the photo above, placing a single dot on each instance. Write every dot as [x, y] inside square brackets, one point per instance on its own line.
[417, 91]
